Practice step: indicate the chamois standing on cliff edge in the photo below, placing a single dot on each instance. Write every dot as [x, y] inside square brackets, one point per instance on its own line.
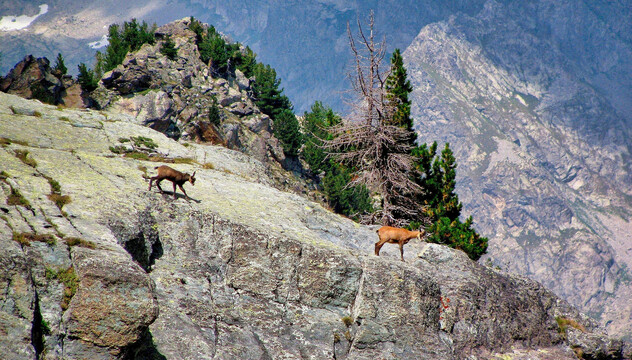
[393, 235]
[175, 176]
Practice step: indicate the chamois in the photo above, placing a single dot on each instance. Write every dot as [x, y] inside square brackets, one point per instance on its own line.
[393, 235]
[176, 177]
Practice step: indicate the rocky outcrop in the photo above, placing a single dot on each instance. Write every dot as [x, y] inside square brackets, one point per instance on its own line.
[175, 96]
[33, 78]
[243, 270]
[543, 155]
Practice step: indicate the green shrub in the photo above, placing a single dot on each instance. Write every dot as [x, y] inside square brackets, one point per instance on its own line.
[286, 129]
[141, 141]
[214, 115]
[168, 48]
[137, 155]
[458, 235]
[55, 187]
[118, 149]
[87, 78]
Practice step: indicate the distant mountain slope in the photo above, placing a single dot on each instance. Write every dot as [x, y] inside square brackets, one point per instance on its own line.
[306, 42]
[529, 96]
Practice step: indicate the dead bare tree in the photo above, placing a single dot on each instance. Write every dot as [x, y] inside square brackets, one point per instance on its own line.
[366, 142]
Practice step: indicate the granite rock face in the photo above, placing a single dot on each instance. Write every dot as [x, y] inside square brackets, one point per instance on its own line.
[543, 149]
[242, 270]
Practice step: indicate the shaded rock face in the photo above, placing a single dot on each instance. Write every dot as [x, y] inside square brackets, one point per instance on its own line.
[543, 151]
[243, 270]
[33, 78]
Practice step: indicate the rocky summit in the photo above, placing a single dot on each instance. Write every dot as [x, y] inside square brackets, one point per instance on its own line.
[96, 266]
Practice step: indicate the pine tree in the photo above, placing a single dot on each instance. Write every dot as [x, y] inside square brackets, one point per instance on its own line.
[287, 130]
[116, 50]
[344, 199]
[168, 48]
[59, 65]
[268, 97]
[316, 125]
[247, 62]
[130, 37]
[398, 87]
[86, 78]
[443, 207]
[214, 115]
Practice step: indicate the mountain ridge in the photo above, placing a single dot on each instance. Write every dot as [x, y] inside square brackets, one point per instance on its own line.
[243, 270]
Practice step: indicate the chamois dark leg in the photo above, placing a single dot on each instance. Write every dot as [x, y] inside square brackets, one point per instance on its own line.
[182, 188]
[174, 191]
[401, 249]
[151, 179]
[158, 185]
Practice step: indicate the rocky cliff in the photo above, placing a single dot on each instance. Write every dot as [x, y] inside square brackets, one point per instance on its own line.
[96, 266]
[543, 149]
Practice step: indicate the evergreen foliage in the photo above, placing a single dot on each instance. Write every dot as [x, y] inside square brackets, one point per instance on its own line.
[286, 129]
[342, 198]
[222, 57]
[214, 115]
[345, 199]
[168, 48]
[59, 65]
[268, 97]
[246, 62]
[87, 78]
[316, 124]
[130, 37]
[397, 89]
[443, 205]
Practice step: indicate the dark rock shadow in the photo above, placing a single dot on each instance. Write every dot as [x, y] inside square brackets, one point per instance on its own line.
[144, 348]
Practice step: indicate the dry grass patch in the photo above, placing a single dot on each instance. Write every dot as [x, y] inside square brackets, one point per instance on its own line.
[26, 238]
[23, 155]
[75, 241]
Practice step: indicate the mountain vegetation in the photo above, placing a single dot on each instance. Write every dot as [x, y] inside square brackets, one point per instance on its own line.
[60, 66]
[377, 146]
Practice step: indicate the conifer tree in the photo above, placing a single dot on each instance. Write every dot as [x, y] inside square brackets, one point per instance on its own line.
[443, 207]
[348, 200]
[286, 129]
[168, 48]
[268, 96]
[59, 64]
[398, 87]
[86, 78]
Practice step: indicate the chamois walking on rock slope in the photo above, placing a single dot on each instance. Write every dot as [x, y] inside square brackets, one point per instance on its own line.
[175, 176]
